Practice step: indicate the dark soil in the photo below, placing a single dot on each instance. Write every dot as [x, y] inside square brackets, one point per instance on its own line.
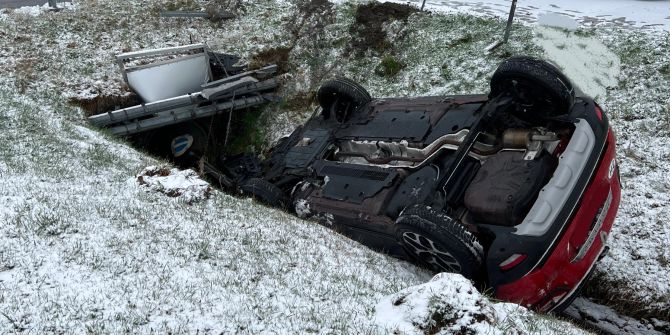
[367, 29]
[278, 55]
[311, 19]
[106, 103]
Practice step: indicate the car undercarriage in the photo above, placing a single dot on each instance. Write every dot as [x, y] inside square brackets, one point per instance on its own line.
[484, 185]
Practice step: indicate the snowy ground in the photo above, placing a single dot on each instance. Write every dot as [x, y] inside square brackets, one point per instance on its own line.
[628, 72]
[23, 3]
[85, 247]
[450, 304]
[647, 14]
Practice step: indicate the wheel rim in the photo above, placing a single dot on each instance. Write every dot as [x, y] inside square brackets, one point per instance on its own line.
[430, 252]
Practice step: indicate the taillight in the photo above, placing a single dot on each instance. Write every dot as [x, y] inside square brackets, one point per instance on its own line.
[512, 261]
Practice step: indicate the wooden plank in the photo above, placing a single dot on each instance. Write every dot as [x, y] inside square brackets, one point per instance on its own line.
[188, 101]
[160, 51]
[174, 117]
[270, 69]
[221, 90]
[183, 14]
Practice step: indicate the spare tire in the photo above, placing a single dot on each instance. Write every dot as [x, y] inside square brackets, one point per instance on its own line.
[340, 97]
[539, 88]
[265, 192]
[438, 241]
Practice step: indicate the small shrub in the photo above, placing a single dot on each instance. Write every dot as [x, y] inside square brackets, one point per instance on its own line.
[389, 66]
[445, 71]
[49, 224]
[246, 133]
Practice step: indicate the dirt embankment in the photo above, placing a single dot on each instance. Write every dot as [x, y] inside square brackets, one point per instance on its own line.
[368, 30]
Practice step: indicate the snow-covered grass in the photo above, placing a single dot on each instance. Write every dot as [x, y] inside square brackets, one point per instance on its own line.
[450, 304]
[185, 184]
[634, 278]
[627, 71]
[649, 14]
[85, 247]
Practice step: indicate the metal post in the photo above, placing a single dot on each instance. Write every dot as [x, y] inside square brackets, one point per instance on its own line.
[423, 4]
[509, 21]
[508, 29]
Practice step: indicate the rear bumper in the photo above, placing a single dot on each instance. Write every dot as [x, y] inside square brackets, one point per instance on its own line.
[579, 247]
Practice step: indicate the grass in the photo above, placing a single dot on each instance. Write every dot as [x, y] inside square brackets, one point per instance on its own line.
[626, 280]
[624, 300]
[389, 66]
[250, 137]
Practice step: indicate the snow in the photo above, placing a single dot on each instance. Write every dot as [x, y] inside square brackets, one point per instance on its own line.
[450, 304]
[38, 10]
[622, 13]
[551, 19]
[184, 184]
[589, 64]
[302, 208]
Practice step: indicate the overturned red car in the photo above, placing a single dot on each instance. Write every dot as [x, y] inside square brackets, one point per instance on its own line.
[516, 189]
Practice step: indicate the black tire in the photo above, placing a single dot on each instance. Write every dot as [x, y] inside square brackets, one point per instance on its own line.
[540, 89]
[340, 97]
[265, 192]
[438, 242]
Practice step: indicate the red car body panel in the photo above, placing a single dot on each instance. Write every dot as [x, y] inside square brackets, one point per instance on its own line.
[560, 275]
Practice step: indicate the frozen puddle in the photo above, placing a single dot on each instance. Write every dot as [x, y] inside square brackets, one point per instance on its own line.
[585, 60]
